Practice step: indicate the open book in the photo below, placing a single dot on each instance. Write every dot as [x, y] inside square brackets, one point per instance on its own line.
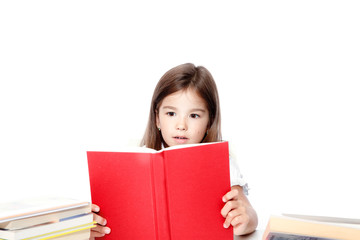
[175, 193]
[304, 227]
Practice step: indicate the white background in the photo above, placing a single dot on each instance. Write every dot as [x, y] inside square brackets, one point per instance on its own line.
[79, 75]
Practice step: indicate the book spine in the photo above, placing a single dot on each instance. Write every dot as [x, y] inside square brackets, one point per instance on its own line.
[153, 170]
[160, 198]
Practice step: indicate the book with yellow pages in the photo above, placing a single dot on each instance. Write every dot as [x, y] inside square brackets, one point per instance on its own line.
[79, 235]
[50, 230]
[305, 227]
[28, 212]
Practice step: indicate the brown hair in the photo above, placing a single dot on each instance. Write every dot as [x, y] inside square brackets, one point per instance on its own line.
[179, 78]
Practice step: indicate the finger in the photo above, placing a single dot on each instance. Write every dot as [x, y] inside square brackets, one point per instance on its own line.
[231, 216]
[229, 206]
[94, 235]
[99, 220]
[95, 208]
[98, 230]
[232, 195]
[240, 223]
[240, 219]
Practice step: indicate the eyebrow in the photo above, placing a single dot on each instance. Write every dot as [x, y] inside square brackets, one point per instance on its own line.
[192, 110]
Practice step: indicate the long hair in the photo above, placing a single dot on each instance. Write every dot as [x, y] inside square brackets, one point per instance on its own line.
[179, 78]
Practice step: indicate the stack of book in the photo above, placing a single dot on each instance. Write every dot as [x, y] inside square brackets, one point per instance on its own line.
[306, 227]
[46, 218]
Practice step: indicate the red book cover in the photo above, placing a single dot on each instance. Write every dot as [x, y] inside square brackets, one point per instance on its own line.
[170, 194]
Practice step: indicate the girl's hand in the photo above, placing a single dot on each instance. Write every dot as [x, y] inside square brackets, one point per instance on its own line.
[238, 212]
[100, 230]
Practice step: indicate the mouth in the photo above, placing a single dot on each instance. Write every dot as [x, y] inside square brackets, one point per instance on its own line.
[181, 139]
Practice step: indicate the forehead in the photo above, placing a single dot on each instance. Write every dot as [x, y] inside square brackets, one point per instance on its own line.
[189, 97]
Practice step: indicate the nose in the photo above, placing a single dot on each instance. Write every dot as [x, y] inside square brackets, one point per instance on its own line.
[181, 125]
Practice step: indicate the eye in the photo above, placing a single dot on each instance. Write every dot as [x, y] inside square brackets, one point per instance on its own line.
[194, 115]
[171, 114]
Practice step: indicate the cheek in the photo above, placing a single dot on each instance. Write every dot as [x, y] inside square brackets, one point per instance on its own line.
[201, 129]
[161, 121]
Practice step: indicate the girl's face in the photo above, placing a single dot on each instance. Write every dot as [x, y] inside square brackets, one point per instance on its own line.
[183, 118]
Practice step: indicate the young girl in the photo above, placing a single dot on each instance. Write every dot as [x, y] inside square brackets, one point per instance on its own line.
[185, 109]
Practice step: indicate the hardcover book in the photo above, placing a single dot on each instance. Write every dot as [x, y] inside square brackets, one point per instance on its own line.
[305, 227]
[35, 211]
[51, 230]
[175, 193]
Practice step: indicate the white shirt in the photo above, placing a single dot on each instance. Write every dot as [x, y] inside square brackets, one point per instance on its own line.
[236, 178]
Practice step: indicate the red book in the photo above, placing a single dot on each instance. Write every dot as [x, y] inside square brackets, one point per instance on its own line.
[172, 194]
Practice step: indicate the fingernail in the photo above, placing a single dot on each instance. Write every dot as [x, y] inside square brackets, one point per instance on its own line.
[224, 200]
[225, 226]
[107, 230]
[104, 222]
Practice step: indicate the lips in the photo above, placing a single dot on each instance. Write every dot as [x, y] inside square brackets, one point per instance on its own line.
[178, 137]
[181, 139]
